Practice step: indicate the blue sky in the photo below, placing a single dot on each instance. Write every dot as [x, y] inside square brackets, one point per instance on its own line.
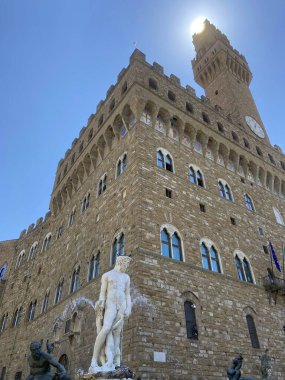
[58, 58]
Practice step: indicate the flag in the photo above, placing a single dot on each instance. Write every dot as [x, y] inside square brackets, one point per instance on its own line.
[274, 256]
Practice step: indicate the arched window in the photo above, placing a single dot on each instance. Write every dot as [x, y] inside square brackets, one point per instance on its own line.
[45, 302]
[243, 269]
[20, 259]
[224, 190]
[146, 117]
[122, 164]
[46, 242]
[195, 176]
[31, 311]
[94, 267]
[63, 360]
[58, 292]
[171, 244]
[278, 216]
[72, 216]
[3, 322]
[152, 83]
[252, 331]
[248, 202]
[33, 250]
[118, 247]
[59, 232]
[102, 185]
[210, 257]
[75, 280]
[164, 160]
[85, 203]
[190, 317]
[17, 317]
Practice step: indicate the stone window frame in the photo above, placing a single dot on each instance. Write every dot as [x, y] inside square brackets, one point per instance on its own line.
[242, 256]
[94, 266]
[85, 203]
[33, 250]
[72, 216]
[75, 279]
[20, 259]
[191, 297]
[120, 168]
[17, 316]
[209, 244]
[171, 230]
[117, 237]
[59, 231]
[3, 323]
[60, 284]
[102, 185]
[196, 170]
[278, 216]
[31, 311]
[249, 311]
[45, 303]
[165, 153]
[249, 202]
[225, 183]
[46, 242]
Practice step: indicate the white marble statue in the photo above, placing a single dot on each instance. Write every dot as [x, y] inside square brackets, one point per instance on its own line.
[113, 306]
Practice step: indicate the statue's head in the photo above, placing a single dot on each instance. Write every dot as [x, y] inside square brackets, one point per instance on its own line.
[122, 263]
[35, 348]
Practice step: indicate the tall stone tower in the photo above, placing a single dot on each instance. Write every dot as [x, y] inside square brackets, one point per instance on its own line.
[225, 75]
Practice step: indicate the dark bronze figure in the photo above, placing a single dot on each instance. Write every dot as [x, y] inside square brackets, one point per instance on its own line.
[40, 364]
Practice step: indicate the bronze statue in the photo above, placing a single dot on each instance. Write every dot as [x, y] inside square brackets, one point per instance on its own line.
[265, 366]
[234, 372]
[40, 364]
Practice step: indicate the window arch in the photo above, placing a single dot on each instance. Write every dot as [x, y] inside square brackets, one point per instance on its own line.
[196, 176]
[85, 202]
[190, 317]
[278, 216]
[102, 186]
[224, 190]
[59, 231]
[75, 280]
[122, 164]
[3, 323]
[118, 247]
[164, 160]
[45, 302]
[243, 267]
[94, 267]
[146, 117]
[33, 250]
[46, 242]
[20, 259]
[252, 331]
[249, 203]
[31, 311]
[171, 245]
[17, 317]
[58, 292]
[72, 216]
[152, 83]
[210, 256]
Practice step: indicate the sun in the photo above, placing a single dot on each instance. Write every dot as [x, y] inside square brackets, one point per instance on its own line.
[197, 25]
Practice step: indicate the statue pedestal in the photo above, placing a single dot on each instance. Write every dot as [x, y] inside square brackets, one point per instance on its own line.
[119, 373]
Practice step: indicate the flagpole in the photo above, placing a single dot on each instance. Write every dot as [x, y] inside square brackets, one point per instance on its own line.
[271, 258]
[283, 259]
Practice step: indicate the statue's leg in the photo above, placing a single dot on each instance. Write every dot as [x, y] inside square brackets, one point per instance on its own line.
[109, 349]
[117, 343]
[109, 316]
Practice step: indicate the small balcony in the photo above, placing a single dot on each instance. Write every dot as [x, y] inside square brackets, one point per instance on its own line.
[274, 284]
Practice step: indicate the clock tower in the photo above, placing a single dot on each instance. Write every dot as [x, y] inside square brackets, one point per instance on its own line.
[225, 75]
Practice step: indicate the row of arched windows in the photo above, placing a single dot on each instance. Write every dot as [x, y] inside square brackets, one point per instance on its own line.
[102, 186]
[164, 161]
[172, 247]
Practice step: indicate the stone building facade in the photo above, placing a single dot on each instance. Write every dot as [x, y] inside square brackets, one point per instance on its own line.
[193, 190]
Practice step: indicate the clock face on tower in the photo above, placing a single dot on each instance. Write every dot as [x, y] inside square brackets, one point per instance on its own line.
[254, 126]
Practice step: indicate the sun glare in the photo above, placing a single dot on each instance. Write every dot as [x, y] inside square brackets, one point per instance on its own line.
[197, 25]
